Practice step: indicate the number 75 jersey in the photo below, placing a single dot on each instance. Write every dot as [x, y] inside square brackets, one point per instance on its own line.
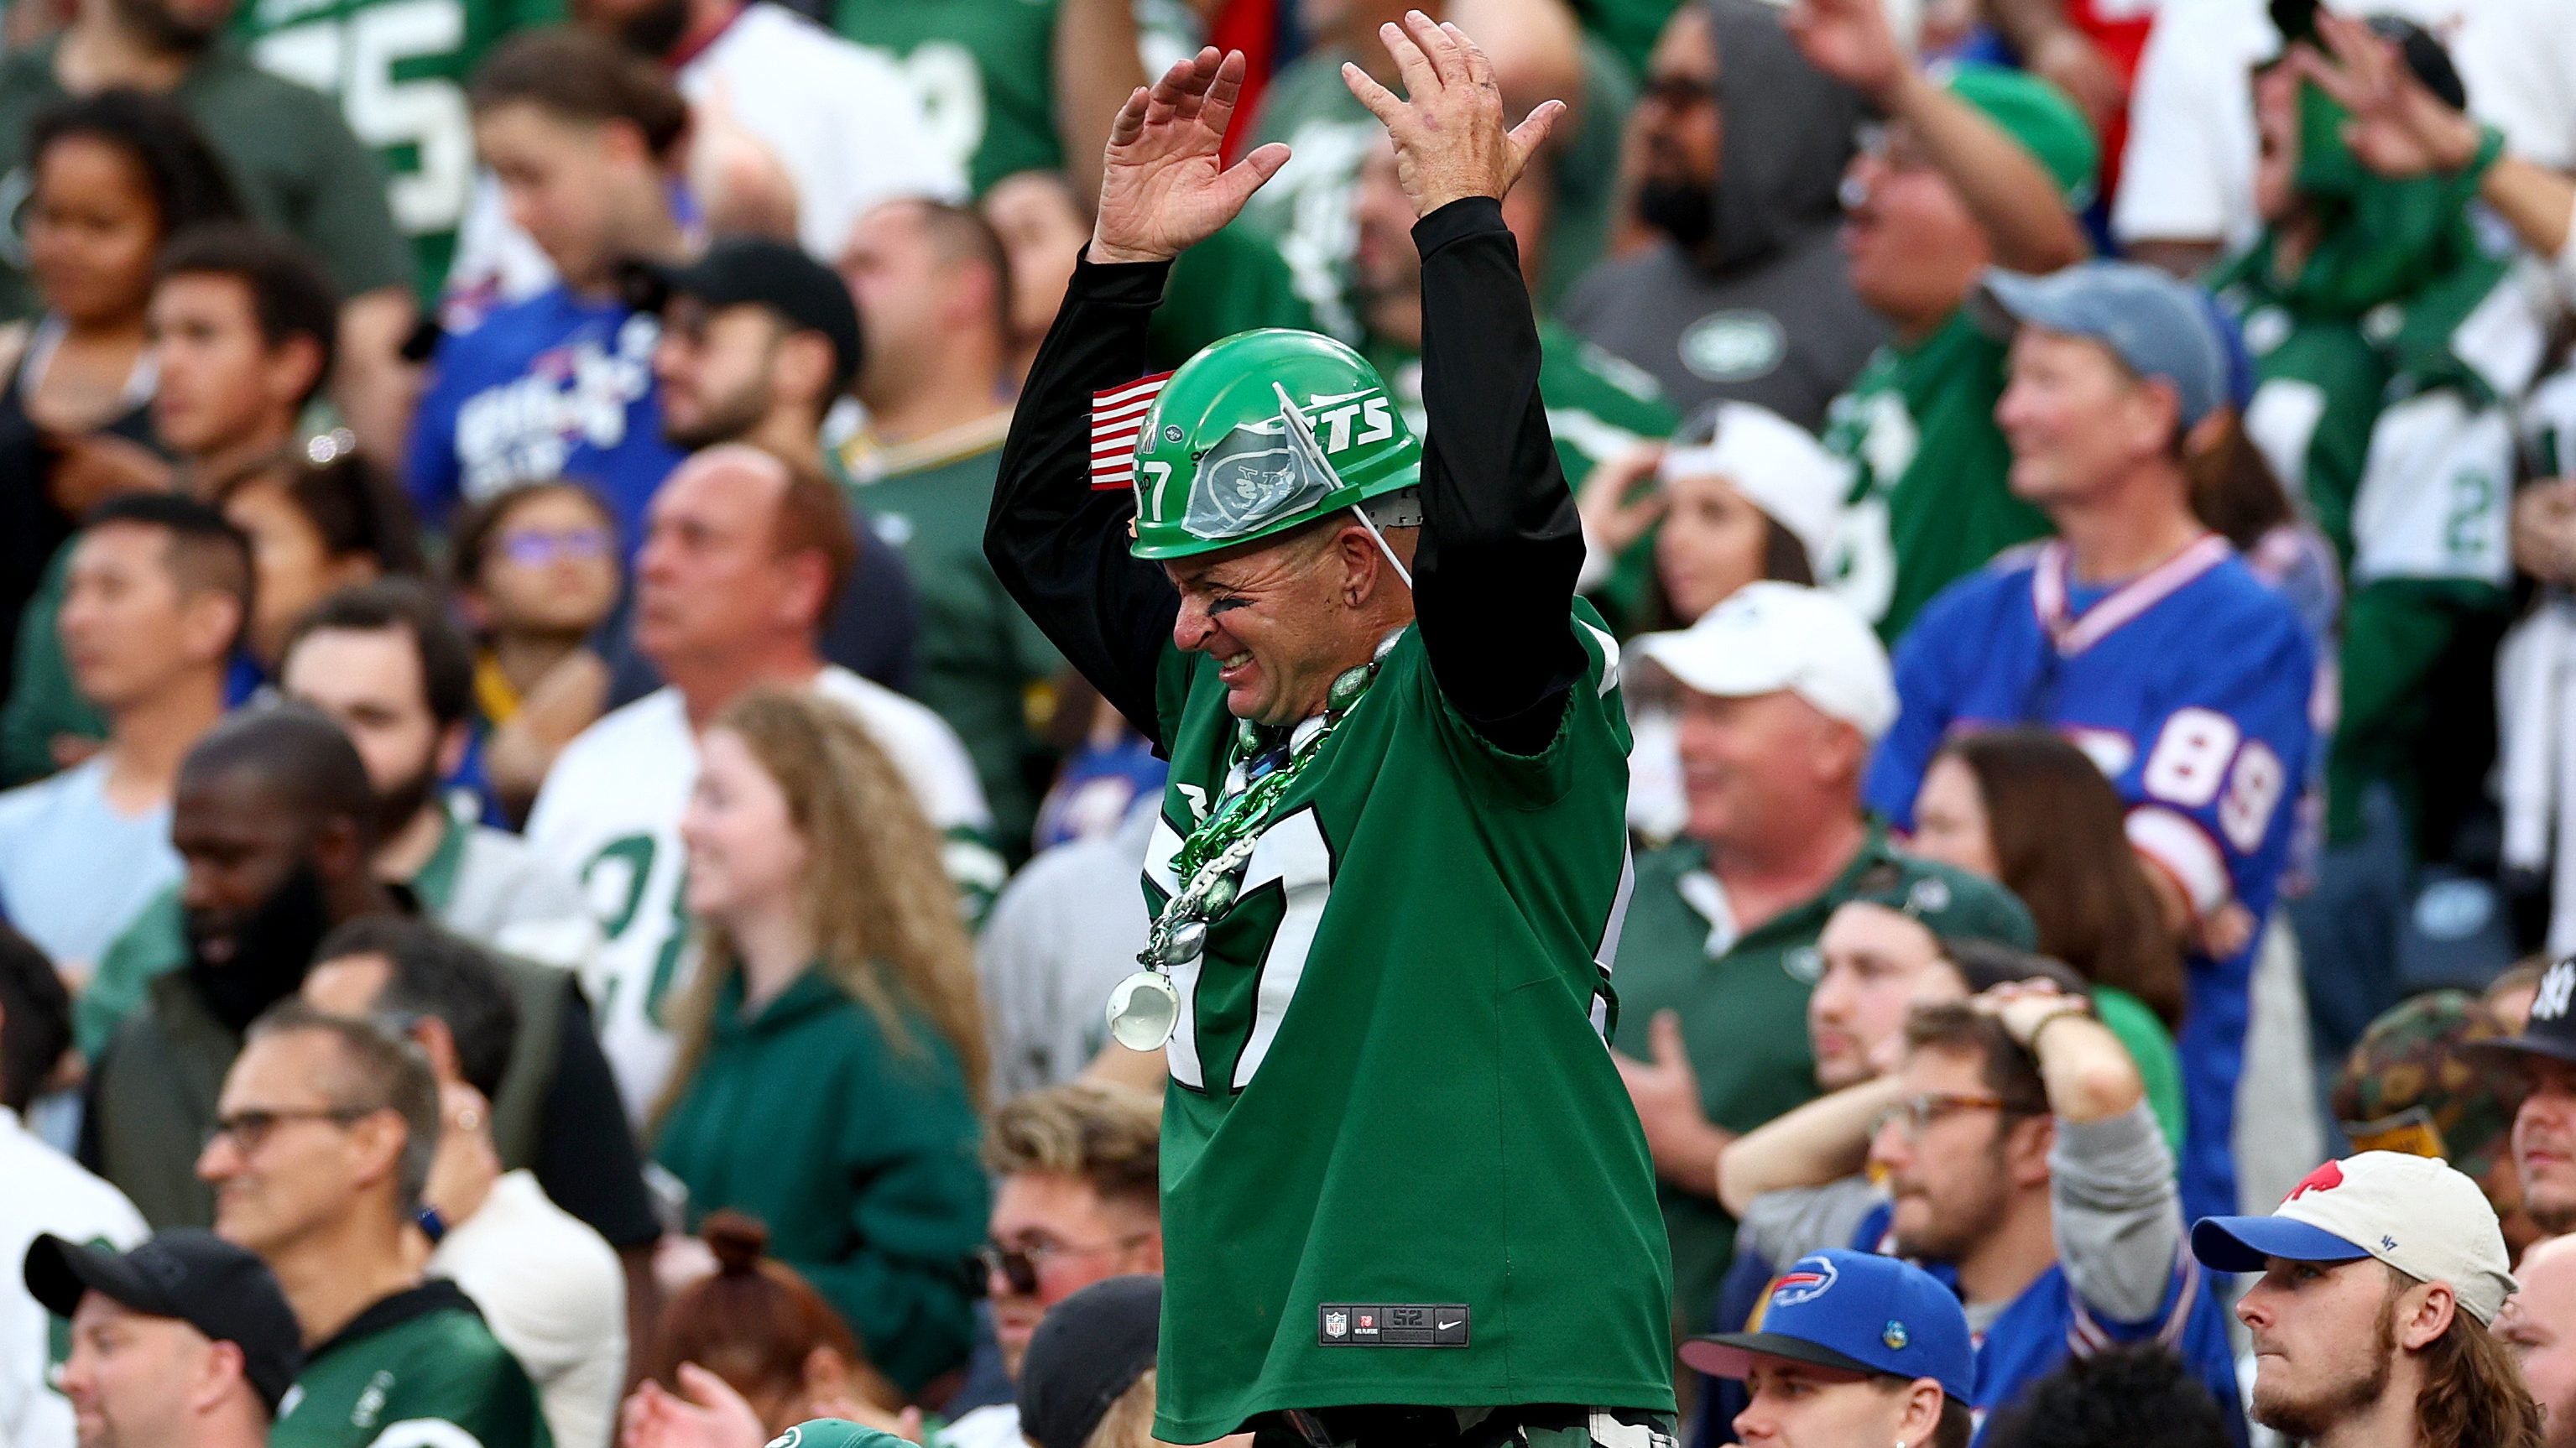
[399, 69]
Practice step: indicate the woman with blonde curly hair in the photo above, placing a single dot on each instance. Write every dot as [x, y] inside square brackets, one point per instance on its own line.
[832, 1052]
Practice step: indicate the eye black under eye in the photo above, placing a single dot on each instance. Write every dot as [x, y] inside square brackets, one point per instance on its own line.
[1224, 604]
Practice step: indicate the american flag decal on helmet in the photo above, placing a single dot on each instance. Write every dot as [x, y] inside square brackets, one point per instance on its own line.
[1117, 427]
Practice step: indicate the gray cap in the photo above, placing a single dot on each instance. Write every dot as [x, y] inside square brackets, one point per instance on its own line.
[2158, 327]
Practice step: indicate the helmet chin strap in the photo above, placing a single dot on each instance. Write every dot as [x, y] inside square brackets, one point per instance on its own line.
[1303, 436]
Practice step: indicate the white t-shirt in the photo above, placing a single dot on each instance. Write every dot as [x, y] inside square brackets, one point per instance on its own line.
[555, 1295]
[73, 871]
[995, 1425]
[610, 811]
[1059, 939]
[42, 1190]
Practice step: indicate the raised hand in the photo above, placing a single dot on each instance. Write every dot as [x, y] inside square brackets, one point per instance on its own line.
[1163, 187]
[2398, 128]
[1851, 41]
[1450, 141]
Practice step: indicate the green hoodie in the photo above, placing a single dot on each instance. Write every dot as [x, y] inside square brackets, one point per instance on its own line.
[857, 1153]
[2384, 362]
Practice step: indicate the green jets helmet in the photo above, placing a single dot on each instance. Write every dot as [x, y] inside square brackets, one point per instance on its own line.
[1260, 432]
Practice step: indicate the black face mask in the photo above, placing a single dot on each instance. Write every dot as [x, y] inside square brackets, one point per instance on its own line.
[271, 952]
[1686, 213]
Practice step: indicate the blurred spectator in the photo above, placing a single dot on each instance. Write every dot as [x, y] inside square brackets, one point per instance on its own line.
[2027, 808]
[836, 977]
[2022, 1165]
[2538, 1326]
[2381, 1276]
[321, 1149]
[1743, 294]
[317, 524]
[48, 1195]
[1896, 941]
[2114, 1398]
[535, 573]
[1232, 282]
[2106, 634]
[274, 821]
[1599, 408]
[759, 342]
[1087, 1380]
[160, 590]
[242, 340]
[933, 287]
[384, 661]
[2416, 1083]
[744, 559]
[551, 1288]
[1853, 1348]
[1783, 692]
[1561, 218]
[1062, 934]
[293, 159]
[1074, 1202]
[2543, 1054]
[183, 1340]
[112, 177]
[2354, 415]
[1983, 167]
[583, 136]
[771, 1342]
[2533, 674]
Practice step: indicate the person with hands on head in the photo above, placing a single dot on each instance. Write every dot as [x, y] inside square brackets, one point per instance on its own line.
[1395, 810]
[2381, 1276]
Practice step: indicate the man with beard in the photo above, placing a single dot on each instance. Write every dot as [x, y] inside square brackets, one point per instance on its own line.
[293, 158]
[2381, 1275]
[275, 824]
[1743, 296]
[2022, 1166]
[2538, 1323]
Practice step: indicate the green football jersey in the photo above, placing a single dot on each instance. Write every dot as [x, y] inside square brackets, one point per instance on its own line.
[417, 1370]
[984, 71]
[399, 70]
[1598, 406]
[1398, 1164]
[1929, 502]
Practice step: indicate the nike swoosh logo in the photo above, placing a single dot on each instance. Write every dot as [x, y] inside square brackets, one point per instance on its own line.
[1446, 1326]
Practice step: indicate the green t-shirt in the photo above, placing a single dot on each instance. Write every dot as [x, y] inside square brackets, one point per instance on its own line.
[1628, 27]
[417, 1370]
[398, 69]
[2151, 1050]
[858, 1154]
[1598, 406]
[1929, 502]
[984, 71]
[978, 658]
[1232, 282]
[1390, 1113]
[291, 154]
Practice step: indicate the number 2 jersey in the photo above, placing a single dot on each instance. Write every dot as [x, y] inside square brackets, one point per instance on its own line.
[2191, 686]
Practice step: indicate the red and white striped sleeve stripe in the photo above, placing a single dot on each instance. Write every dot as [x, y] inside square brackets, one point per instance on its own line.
[1117, 427]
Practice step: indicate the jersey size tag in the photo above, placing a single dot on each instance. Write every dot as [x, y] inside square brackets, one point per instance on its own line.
[1396, 1324]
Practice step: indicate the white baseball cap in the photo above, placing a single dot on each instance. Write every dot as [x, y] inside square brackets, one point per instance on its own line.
[2417, 1214]
[1768, 637]
[1777, 466]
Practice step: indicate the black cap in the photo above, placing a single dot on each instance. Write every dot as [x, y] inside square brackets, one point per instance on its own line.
[2551, 1032]
[756, 271]
[1087, 1351]
[197, 1277]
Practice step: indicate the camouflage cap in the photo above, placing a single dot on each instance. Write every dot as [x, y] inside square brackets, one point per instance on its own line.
[2412, 1084]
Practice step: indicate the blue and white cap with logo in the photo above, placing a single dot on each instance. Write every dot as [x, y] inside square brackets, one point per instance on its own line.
[2418, 1215]
[1856, 1312]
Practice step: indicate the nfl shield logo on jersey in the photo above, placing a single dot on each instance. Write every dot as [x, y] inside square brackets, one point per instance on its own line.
[1337, 1324]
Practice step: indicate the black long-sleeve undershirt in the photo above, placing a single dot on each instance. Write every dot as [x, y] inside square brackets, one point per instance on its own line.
[1495, 566]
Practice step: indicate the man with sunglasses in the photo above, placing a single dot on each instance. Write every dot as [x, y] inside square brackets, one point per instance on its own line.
[319, 1157]
[2014, 1156]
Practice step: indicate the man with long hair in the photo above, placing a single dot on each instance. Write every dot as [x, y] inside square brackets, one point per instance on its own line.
[2381, 1275]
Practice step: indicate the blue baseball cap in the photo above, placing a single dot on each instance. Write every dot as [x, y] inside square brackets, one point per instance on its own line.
[2158, 327]
[1855, 1311]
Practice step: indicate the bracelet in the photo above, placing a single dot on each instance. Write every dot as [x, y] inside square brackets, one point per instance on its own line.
[2052, 1018]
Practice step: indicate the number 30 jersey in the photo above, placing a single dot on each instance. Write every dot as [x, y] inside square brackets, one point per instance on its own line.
[2193, 687]
[399, 69]
[1398, 1164]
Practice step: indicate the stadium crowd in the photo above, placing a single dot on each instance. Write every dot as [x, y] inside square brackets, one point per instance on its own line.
[574, 810]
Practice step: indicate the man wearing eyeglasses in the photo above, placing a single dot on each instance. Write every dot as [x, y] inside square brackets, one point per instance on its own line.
[320, 1153]
[2014, 1156]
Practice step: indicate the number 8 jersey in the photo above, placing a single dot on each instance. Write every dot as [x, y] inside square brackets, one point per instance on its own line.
[2193, 687]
